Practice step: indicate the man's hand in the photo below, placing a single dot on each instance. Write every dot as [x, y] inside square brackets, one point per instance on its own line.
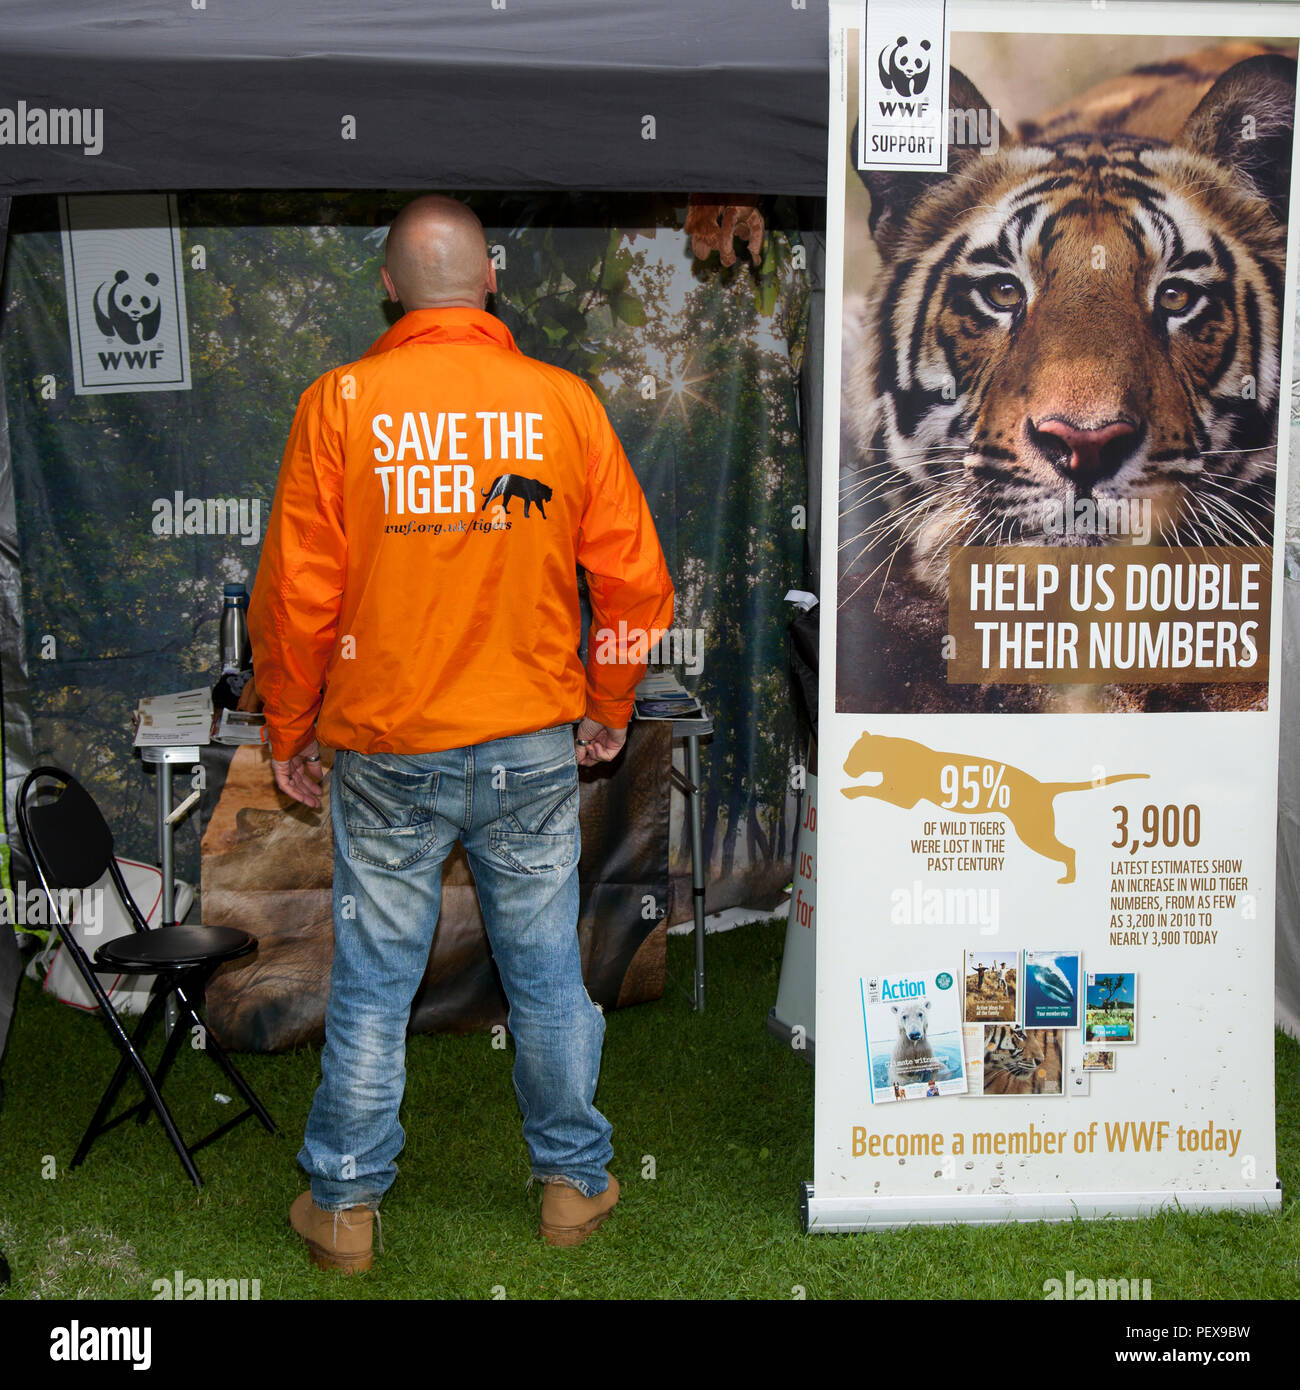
[249, 700]
[598, 744]
[301, 776]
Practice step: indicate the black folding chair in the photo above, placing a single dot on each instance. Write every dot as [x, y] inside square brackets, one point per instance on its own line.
[71, 846]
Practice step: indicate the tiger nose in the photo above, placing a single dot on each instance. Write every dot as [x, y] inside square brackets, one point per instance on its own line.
[1084, 456]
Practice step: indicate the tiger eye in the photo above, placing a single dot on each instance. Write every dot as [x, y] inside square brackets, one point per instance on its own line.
[1173, 299]
[1003, 292]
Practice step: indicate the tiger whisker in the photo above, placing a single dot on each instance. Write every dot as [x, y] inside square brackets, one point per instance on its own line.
[1212, 522]
[881, 529]
[897, 478]
[926, 451]
[1240, 499]
[1224, 509]
[906, 523]
[866, 579]
[1227, 513]
[878, 488]
[940, 549]
[1191, 525]
[897, 519]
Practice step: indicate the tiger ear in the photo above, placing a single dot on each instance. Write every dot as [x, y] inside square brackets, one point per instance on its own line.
[894, 192]
[1245, 123]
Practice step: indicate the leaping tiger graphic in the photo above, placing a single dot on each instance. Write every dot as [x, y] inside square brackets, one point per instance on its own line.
[1092, 313]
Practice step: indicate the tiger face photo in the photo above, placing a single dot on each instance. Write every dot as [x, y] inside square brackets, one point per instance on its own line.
[1022, 1061]
[1072, 338]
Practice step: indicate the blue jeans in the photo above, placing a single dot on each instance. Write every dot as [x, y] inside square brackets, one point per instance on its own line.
[514, 805]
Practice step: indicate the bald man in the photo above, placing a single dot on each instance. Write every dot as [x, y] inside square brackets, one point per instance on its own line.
[436, 257]
[416, 609]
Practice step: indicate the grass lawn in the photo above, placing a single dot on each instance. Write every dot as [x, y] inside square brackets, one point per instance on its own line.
[716, 1109]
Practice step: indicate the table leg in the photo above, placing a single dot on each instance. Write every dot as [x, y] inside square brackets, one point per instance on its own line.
[165, 842]
[697, 862]
[171, 1011]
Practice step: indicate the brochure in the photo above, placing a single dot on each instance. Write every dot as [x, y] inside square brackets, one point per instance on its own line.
[240, 727]
[914, 1036]
[669, 708]
[660, 695]
[1052, 989]
[973, 1043]
[1112, 1008]
[1023, 1061]
[991, 985]
[166, 721]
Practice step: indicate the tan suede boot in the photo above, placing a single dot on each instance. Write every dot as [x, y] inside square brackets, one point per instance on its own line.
[568, 1217]
[336, 1239]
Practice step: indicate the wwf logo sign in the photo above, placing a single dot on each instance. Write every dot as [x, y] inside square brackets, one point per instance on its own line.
[903, 86]
[904, 66]
[126, 293]
[128, 308]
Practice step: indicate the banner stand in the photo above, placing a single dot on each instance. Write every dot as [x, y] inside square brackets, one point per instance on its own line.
[1051, 640]
[793, 1017]
[842, 1214]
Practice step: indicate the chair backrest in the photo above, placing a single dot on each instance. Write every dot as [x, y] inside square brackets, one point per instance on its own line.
[69, 842]
[68, 838]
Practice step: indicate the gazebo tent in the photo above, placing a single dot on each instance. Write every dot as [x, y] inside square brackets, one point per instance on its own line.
[567, 95]
[558, 94]
[474, 94]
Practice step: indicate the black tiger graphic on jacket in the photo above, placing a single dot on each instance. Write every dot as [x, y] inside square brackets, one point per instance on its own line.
[508, 485]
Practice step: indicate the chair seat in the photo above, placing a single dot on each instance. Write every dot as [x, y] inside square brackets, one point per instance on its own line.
[174, 948]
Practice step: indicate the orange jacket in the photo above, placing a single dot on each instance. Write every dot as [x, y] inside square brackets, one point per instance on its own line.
[417, 586]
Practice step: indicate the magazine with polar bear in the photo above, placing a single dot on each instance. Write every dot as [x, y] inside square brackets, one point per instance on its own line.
[914, 1038]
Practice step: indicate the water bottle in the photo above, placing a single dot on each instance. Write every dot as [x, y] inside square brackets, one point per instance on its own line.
[236, 652]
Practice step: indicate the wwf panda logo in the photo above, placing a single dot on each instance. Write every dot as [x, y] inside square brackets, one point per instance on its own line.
[128, 308]
[904, 67]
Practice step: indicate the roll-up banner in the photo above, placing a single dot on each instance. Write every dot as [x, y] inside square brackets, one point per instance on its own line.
[1058, 292]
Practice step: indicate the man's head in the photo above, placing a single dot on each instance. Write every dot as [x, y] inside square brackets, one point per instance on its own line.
[437, 257]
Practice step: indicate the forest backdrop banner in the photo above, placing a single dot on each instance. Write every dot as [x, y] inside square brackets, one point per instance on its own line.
[135, 509]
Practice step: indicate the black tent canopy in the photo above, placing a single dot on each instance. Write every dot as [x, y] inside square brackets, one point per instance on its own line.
[661, 95]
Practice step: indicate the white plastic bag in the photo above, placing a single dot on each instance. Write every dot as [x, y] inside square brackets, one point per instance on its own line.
[129, 993]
